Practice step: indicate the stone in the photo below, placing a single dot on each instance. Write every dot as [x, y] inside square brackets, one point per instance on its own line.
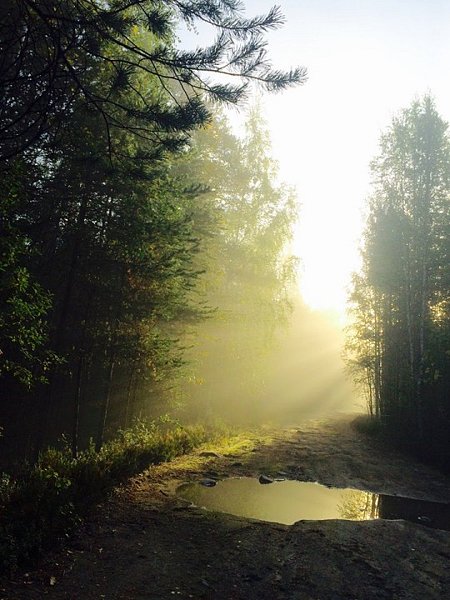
[265, 479]
[208, 482]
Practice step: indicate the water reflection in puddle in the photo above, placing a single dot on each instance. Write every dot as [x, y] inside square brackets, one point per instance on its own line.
[290, 501]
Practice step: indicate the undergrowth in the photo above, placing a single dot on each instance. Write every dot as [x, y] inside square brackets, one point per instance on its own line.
[368, 424]
[43, 504]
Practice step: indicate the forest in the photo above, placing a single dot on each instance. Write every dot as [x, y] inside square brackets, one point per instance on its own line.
[133, 218]
[150, 292]
[400, 335]
[140, 238]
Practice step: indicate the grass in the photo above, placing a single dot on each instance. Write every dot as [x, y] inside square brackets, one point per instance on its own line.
[368, 425]
[45, 503]
[224, 442]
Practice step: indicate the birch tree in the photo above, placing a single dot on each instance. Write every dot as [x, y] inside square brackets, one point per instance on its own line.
[405, 255]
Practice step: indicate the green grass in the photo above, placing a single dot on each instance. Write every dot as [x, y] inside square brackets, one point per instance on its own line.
[43, 505]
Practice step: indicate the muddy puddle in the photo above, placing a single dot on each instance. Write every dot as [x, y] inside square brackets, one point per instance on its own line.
[286, 501]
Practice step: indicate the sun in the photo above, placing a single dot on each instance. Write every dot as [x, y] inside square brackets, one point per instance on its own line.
[328, 252]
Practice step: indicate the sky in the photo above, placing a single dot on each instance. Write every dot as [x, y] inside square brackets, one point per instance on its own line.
[366, 60]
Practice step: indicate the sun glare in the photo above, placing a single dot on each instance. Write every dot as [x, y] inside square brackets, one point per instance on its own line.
[327, 261]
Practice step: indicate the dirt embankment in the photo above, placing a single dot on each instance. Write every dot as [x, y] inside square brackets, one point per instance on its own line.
[145, 543]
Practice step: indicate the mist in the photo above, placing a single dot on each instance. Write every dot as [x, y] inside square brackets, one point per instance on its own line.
[301, 374]
[309, 378]
[180, 249]
[157, 273]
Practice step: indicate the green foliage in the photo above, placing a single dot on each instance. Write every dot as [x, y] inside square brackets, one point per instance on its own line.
[401, 312]
[24, 303]
[103, 268]
[48, 500]
[101, 54]
[106, 245]
[248, 268]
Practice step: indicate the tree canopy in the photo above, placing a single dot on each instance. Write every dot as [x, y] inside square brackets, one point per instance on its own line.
[120, 59]
[109, 231]
[401, 309]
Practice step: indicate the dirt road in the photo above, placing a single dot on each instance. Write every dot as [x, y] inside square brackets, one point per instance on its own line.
[146, 544]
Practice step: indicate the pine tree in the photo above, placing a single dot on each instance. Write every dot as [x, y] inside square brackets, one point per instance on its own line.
[55, 53]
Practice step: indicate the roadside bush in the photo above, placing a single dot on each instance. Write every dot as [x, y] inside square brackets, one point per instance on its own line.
[367, 424]
[47, 501]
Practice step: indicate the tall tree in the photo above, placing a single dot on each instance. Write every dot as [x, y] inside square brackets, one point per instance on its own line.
[24, 303]
[101, 235]
[248, 266]
[405, 261]
[51, 48]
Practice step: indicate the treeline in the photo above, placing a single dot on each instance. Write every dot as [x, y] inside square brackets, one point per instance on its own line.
[123, 223]
[400, 345]
[250, 273]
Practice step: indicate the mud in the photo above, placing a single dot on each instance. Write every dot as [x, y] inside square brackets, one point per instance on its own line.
[147, 543]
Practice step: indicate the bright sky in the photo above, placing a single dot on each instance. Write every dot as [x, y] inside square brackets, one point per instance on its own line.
[366, 60]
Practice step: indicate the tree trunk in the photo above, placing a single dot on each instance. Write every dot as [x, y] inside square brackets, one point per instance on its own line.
[128, 408]
[105, 406]
[76, 408]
